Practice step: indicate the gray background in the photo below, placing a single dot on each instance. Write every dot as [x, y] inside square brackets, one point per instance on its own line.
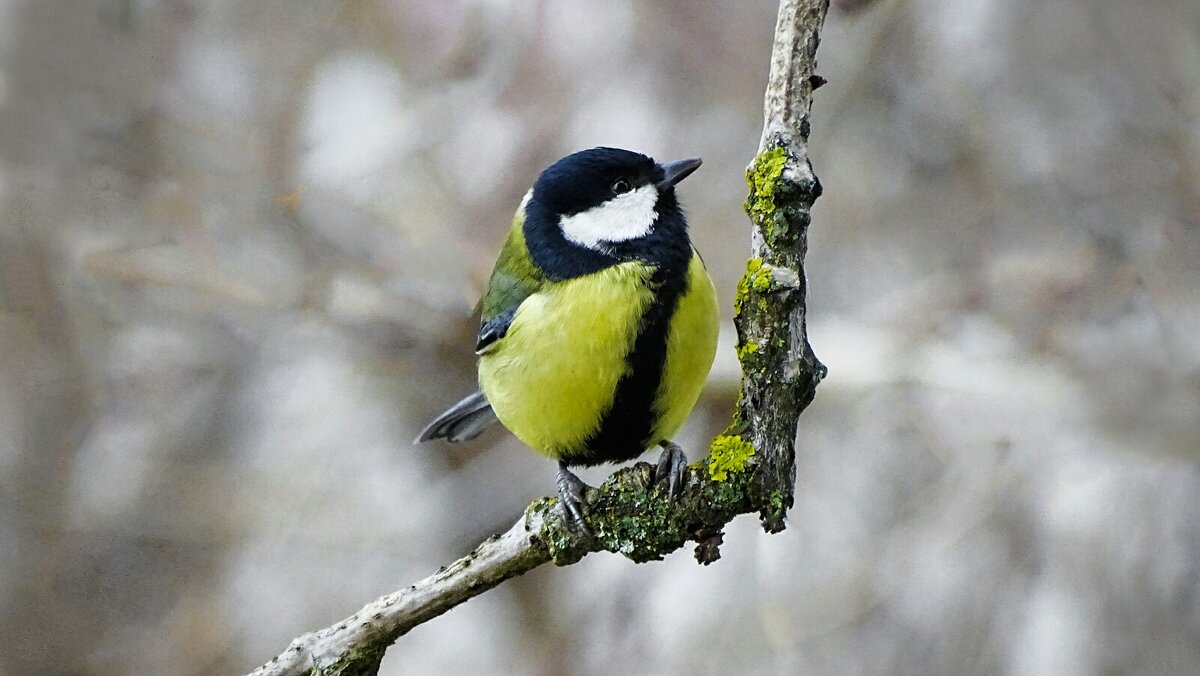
[240, 243]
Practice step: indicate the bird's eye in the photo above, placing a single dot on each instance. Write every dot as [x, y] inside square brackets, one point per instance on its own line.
[621, 186]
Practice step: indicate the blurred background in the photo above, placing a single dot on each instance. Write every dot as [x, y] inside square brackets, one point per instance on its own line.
[240, 244]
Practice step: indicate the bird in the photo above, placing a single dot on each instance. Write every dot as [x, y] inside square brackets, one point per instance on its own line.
[599, 324]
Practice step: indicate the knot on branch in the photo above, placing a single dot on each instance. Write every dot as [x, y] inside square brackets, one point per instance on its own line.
[783, 187]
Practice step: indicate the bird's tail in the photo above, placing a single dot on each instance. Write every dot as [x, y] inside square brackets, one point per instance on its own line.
[465, 420]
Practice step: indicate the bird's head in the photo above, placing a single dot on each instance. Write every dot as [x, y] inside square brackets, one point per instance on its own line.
[608, 200]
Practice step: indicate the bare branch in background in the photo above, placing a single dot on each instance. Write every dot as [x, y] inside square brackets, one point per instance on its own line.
[751, 468]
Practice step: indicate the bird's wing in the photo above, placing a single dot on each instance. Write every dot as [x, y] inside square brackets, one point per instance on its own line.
[514, 279]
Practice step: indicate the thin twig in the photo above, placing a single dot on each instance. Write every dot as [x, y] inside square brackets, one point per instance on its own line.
[357, 643]
[629, 514]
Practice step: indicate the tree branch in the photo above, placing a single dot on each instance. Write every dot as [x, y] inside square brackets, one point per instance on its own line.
[751, 468]
[780, 373]
[628, 514]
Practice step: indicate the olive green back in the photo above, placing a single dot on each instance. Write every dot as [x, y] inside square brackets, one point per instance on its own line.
[515, 277]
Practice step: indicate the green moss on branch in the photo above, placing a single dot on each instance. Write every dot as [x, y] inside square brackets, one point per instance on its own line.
[631, 515]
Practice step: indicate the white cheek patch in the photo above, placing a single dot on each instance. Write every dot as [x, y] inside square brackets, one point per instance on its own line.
[620, 219]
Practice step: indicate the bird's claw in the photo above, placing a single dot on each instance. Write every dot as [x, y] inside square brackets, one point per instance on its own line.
[572, 495]
[671, 466]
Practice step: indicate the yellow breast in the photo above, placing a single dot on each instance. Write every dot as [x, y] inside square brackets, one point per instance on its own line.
[552, 379]
[554, 374]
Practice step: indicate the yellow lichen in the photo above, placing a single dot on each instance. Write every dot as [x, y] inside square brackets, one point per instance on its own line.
[758, 278]
[747, 349]
[761, 279]
[729, 454]
[762, 178]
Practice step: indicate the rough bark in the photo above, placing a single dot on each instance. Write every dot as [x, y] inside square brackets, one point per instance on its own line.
[751, 468]
[780, 372]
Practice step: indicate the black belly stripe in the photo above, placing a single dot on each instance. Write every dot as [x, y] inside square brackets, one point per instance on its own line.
[624, 430]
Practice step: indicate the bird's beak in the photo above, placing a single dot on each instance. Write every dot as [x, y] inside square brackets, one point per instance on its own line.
[677, 171]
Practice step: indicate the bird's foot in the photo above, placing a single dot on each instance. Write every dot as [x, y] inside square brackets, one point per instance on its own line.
[572, 495]
[671, 466]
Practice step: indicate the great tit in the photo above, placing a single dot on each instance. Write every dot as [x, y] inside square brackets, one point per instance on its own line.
[599, 324]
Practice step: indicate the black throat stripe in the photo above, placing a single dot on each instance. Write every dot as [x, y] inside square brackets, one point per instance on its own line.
[624, 430]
